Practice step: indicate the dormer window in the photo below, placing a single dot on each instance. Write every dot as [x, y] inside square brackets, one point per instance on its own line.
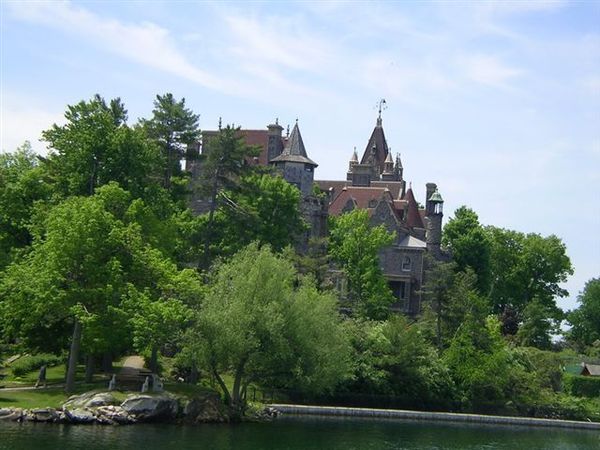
[406, 264]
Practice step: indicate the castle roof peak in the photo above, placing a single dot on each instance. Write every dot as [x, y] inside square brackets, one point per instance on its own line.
[294, 150]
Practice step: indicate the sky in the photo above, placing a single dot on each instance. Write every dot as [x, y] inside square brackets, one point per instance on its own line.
[496, 102]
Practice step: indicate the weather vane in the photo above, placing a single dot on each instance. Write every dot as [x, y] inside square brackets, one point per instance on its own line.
[381, 106]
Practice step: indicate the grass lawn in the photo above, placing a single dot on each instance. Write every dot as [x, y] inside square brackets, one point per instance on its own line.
[52, 397]
[54, 375]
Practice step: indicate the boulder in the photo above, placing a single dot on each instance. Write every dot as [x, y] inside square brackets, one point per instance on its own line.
[148, 408]
[79, 415]
[90, 400]
[42, 415]
[11, 413]
[205, 409]
[113, 415]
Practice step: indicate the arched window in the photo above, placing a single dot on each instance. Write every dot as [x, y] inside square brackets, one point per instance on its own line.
[406, 264]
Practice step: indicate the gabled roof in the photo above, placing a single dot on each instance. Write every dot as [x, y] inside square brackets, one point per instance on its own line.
[592, 369]
[378, 142]
[413, 217]
[395, 187]
[363, 198]
[294, 151]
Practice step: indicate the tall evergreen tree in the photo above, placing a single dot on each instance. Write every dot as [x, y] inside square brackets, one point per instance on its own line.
[175, 128]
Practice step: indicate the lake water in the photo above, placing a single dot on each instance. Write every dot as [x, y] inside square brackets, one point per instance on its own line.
[294, 433]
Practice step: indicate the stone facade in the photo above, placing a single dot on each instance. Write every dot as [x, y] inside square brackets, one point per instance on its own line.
[375, 183]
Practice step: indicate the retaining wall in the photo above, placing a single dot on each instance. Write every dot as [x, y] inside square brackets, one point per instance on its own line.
[430, 416]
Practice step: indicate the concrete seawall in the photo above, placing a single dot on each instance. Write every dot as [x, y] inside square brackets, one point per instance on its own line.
[431, 416]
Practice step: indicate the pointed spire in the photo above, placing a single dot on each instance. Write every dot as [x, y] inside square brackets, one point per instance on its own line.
[354, 156]
[398, 161]
[220, 123]
[295, 144]
[294, 149]
[287, 132]
[388, 158]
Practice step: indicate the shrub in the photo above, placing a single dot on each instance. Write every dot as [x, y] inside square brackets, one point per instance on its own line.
[581, 386]
[28, 364]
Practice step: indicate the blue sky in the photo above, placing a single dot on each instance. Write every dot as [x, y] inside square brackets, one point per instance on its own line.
[499, 103]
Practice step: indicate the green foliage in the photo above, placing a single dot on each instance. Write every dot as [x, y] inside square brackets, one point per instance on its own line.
[480, 363]
[174, 128]
[393, 358]
[223, 164]
[545, 366]
[30, 363]
[469, 244]
[449, 296]
[263, 208]
[92, 254]
[582, 386]
[22, 185]
[255, 324]
[96, 147]
[537, 326]
[585, 320]
[355, 246]
[527, 267]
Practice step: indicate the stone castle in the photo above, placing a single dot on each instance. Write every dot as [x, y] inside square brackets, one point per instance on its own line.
[374, 183]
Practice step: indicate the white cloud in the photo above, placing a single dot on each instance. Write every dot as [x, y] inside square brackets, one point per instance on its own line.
[276, 41]
[21, 119]
[145, 43]
[489, 70]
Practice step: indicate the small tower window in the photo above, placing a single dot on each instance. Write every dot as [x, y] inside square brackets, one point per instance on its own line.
[406, 264]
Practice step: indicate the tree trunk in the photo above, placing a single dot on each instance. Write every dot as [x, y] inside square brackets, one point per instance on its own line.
[194, 374]
[439, 326]
[223, 387]
[237, 386]
[73, 357]
[107, 359]
[89, 368]
[204, 263]
[154, 359]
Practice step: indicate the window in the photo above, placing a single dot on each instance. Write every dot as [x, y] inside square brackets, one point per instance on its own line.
[398, 289]
[406, 264]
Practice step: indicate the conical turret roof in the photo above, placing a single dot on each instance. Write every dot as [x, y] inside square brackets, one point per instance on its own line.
[294, 150]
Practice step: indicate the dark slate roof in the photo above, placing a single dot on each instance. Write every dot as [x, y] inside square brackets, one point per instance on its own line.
[294, 151]
[413, 217]
[378, 141]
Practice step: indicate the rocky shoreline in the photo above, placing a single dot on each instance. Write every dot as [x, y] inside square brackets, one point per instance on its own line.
[104, 409]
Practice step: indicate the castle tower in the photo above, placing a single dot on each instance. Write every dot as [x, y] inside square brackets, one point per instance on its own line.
[433, 216]
[295, 165]
[274, 145]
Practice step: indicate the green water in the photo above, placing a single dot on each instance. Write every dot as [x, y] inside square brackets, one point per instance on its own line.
[294, 433]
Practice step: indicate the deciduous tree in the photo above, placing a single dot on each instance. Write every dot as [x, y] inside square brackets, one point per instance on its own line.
[255, 325]
[355, 246]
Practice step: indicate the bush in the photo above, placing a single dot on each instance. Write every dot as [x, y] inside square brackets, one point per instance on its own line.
[561, 406]
[28, 364]
[581, 386]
